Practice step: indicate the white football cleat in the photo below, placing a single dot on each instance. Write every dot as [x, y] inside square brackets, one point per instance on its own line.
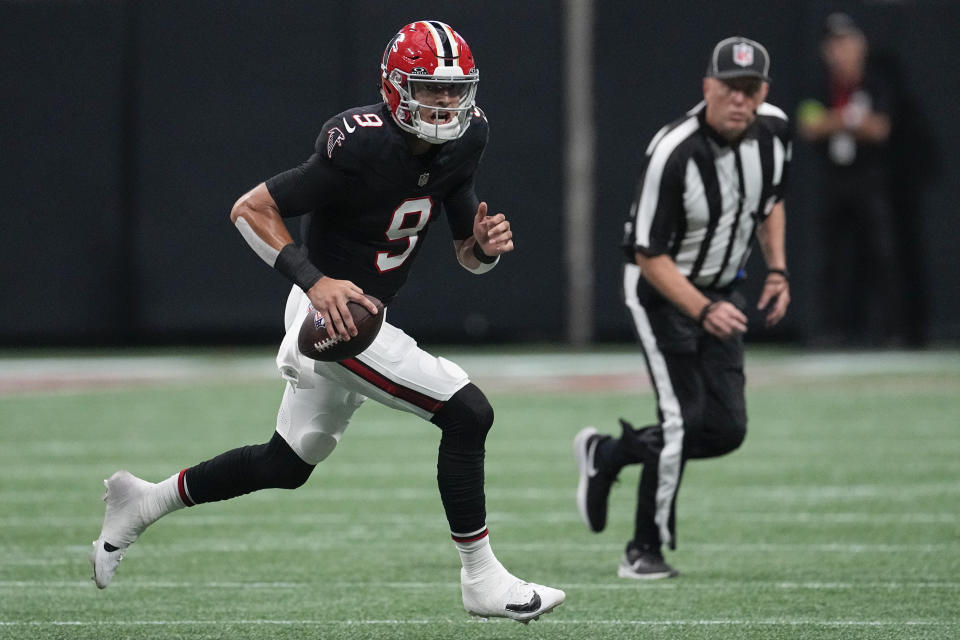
[509, 597]
[122, 524]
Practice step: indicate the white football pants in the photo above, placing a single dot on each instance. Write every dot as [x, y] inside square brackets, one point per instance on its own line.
[321, 397]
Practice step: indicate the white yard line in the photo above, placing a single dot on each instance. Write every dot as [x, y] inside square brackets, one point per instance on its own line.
[775, 622]
[417, 520]
[53, 555]
[710, 585]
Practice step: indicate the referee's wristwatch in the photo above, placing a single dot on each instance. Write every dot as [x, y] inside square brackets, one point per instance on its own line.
[780, 272]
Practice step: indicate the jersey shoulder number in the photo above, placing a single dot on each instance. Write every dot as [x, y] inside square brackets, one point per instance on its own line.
[353, 130]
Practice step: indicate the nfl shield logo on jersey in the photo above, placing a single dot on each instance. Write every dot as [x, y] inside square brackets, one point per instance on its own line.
[743, 54]
[423, 179]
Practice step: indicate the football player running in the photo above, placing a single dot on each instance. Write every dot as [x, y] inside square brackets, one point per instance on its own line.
[372, 189]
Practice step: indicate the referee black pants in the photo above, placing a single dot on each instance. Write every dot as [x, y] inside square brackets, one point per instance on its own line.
[699, 384]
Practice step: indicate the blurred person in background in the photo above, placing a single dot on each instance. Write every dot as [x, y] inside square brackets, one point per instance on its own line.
[859, 283]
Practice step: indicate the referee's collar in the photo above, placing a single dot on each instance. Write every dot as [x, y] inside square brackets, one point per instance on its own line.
[714, 135]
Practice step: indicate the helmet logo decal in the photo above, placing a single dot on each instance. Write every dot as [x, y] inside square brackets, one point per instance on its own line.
[393, 46]
[334, 139]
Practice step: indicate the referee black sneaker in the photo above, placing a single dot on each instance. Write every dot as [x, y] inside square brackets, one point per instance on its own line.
[593, 489]
[644, 564]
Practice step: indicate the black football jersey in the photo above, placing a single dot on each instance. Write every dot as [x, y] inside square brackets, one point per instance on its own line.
[371, 201]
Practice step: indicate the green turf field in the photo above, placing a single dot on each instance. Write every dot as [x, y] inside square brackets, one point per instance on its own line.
[838, 518]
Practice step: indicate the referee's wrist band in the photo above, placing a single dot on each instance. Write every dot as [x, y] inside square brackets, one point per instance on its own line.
[294, 264]
[702, 317]
[481, 256]
[779, 272]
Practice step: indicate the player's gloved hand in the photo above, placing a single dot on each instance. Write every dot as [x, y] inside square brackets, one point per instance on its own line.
[775, 297]
[492, 233]
[723, 320]
[330, 296]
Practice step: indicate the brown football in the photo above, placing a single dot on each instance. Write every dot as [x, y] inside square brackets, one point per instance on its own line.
[315, 343]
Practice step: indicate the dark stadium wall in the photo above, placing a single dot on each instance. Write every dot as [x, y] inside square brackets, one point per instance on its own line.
[130, 128]
[61, 246]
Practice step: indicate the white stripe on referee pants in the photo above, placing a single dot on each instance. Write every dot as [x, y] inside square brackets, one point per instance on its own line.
[668, 472]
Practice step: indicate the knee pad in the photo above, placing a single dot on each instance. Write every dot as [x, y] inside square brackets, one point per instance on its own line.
[465, 418]
[315, 446]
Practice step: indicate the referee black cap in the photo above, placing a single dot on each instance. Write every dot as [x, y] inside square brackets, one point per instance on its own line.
[739, 57]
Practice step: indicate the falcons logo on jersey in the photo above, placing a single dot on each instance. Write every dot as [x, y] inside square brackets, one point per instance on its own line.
[334, 139]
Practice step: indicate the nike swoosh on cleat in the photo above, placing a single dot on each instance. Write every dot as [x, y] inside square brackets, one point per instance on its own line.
[591, 459]
[529, 607]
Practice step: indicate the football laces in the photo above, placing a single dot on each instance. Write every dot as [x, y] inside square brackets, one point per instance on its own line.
[326, 343]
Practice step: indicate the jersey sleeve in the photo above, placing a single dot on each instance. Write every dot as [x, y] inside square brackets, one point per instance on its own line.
[309, 186]
[461, 207]
[657, 209]
[787, 141]
[461, 204]
[783, 141]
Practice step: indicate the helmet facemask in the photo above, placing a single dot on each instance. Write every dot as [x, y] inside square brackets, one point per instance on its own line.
[438, 107]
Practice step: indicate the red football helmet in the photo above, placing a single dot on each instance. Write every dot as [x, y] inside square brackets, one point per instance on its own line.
[429, 79]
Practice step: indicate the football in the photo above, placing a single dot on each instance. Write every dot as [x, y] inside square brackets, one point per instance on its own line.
[315, 343]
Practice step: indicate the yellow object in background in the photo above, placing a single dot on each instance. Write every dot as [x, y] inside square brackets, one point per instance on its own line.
[810, 112]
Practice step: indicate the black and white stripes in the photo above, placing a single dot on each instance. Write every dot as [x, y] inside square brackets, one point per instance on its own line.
[726, 190]
[446, 44]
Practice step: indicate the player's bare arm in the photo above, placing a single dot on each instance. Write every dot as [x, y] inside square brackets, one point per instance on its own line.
[258, 219]
[256, 211]
[719, 318]
[491, 237]
[771, 235]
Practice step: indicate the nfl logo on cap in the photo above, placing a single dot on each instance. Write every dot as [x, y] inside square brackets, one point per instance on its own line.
[743, 54]
[739, 57]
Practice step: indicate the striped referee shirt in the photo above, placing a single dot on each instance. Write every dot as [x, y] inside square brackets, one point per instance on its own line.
[700, 198]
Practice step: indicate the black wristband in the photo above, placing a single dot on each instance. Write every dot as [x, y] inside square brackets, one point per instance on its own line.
[294, 264]
[481, 256]
[705, 312]
[781, 272]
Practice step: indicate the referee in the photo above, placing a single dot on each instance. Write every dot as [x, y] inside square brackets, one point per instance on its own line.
[712, 181]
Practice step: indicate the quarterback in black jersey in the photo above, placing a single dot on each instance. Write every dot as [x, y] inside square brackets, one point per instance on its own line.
[372, 194]
[378, 178]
